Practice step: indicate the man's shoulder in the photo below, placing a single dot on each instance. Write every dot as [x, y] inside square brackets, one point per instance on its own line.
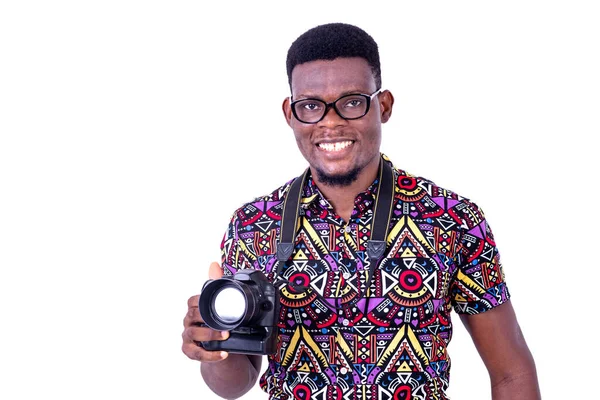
[424, 189]
[412, 186]
[271, 204]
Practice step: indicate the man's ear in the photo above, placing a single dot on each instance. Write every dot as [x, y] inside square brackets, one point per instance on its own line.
[287, 110]
[386, 103]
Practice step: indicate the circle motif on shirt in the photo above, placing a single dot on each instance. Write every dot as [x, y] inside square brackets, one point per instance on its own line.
[410, 280]
[302, 392]
[300, 279]
[410, 290]
[402, 393]
[407, 183]
[408, 188]
[292, 298]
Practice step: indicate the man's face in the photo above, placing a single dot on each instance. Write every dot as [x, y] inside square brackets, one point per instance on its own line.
[334, 147]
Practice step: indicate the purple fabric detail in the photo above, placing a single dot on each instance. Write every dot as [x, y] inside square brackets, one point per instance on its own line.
[373, 375]
[440, 201]
[478, 230]
[359, 264]
[360, 304]
[431, 371]
[246, 235]
[331, 261]
[270, 264]
[493, 301]
[374, 302]
[331, 375]
[452, 203]
[439, 262]
[332, 301]
[356, 377]
[230, 268]
[270, 204]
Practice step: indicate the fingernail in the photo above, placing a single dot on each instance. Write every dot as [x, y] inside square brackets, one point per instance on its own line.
[224, 334]
[224, 354]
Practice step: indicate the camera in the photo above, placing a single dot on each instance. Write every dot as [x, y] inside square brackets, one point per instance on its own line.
[246, 304]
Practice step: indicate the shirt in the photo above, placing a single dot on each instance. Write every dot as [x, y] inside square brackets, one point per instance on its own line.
[332, 342]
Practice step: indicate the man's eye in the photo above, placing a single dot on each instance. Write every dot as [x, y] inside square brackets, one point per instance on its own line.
[352, 103]
[311, 106]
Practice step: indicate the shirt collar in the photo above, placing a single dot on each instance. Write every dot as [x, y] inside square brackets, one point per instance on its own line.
[312, 195]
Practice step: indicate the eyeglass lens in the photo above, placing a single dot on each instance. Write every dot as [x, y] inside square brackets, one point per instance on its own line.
[351, 106]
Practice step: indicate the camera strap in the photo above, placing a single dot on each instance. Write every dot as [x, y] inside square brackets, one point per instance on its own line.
[380, 223]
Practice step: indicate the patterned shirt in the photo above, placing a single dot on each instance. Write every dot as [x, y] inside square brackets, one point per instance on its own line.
[332, 342]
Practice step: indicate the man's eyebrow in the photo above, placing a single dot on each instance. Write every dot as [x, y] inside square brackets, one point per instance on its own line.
[303, 96]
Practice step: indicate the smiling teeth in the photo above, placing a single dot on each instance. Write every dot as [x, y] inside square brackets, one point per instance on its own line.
[335, 146]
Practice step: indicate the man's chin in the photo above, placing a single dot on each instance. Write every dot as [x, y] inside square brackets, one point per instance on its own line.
[338, 180]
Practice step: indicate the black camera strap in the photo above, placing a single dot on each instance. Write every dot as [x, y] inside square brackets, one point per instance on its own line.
[380, 223]
[289, 219]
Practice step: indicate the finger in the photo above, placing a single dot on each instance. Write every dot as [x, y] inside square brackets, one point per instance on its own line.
[198, 353]
[193, 301]
[193, 314]
[203, 334]
[215, 271]
[193, 317]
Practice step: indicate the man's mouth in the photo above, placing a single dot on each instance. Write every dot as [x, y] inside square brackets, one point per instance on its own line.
[336, 146]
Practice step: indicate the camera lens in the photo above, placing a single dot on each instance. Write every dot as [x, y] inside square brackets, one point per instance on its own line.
[229, 305]
[243, 300]
[246, 304]
[226, 303]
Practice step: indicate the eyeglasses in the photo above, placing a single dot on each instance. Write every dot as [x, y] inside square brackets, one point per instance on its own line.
[350, 106]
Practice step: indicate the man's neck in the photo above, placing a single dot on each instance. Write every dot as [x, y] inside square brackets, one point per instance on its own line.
[342, 198]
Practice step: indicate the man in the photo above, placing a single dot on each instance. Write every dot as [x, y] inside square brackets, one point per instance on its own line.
[363, 327]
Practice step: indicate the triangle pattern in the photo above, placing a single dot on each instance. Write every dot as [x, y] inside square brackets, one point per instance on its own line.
[364, 330]
[431, 283]
[319, 284]
[388, 282]
[446, 223]
[265, 225]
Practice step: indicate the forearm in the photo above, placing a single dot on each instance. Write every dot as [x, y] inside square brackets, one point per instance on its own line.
[518, 387]
[233, 377]
[505, 353]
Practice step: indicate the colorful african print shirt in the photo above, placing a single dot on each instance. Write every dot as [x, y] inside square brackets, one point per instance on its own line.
[332, 342]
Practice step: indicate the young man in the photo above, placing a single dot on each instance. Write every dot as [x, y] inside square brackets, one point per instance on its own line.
[364, 326]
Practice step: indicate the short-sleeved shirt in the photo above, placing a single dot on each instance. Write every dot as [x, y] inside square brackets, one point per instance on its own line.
[333, 342]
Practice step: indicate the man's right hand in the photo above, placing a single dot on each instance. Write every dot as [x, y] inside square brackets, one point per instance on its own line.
[194, 332]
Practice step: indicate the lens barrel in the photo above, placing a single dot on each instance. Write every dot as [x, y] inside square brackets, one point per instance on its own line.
[245, 304]
[226, 304]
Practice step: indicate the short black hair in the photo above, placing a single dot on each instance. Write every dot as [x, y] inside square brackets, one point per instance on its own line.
[330, 41]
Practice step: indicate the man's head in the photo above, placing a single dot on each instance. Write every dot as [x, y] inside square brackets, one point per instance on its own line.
[336, 108]
[331, 41]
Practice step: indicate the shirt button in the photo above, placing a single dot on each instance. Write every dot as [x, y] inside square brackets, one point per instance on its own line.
[347, 229]
[345, 322]
[346, 275]
[343, 370]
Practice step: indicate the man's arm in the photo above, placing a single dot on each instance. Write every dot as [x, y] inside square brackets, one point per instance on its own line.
[228, 375]
[232, 377]
[502, 347]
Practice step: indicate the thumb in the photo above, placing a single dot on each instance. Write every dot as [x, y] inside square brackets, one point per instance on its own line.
[215, 271]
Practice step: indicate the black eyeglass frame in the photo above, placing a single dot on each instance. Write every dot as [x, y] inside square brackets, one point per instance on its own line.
[368, 97]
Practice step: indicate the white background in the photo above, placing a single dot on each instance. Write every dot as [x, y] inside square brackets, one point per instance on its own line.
[131, 130]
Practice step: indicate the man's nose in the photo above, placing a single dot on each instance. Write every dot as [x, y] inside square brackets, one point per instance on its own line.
[332, 118]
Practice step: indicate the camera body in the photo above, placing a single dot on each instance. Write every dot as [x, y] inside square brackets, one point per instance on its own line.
[247, 305]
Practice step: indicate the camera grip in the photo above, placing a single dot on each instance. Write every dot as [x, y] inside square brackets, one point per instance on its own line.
[242, 343]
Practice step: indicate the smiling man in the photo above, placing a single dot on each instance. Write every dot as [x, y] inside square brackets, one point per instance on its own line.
[355, 322]
[336, 111]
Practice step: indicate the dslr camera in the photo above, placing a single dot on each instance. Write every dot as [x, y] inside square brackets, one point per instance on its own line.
[246, 304]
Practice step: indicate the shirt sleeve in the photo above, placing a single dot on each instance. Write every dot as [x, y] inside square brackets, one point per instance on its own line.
[479, 283]
[234, 252]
